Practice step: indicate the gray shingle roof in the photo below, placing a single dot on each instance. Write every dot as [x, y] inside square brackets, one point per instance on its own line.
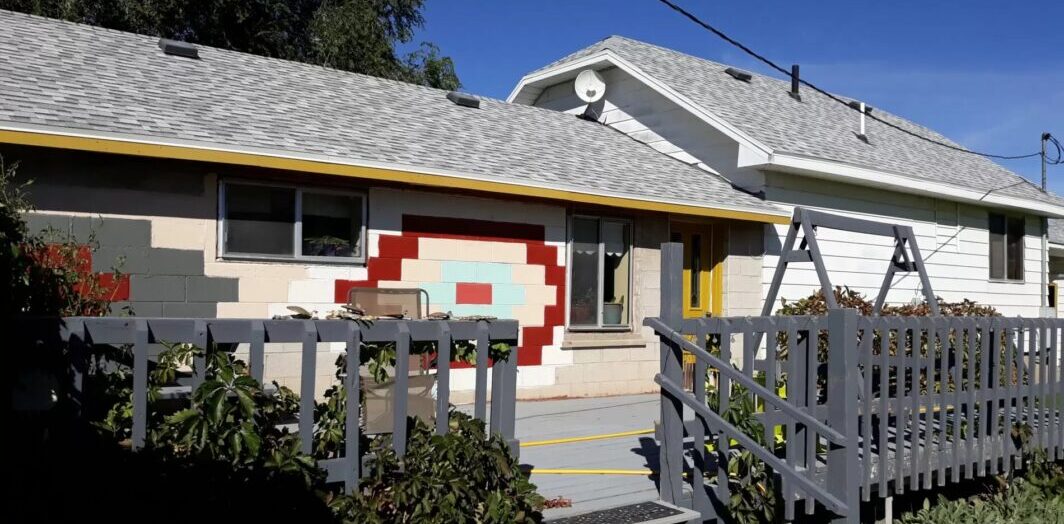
[72, 76]
[817, 126]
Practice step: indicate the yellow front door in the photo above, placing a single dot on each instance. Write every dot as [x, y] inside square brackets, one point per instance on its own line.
[703, 282]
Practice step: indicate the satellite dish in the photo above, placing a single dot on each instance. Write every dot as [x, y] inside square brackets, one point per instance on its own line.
[589, 86]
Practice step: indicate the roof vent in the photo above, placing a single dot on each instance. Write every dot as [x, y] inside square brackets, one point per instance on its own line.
[178, 48]
[739, 74]
[463, 99]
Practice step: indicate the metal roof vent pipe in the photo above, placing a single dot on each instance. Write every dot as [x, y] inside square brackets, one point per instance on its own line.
[794, 83]
[861, 109]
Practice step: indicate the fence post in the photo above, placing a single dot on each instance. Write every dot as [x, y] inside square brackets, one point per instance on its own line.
[843, 475]
[671, 446]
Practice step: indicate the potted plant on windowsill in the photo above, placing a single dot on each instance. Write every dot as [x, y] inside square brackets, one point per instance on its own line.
[613, 311]
[326, 246]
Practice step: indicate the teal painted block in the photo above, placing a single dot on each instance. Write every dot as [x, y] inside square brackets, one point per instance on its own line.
[440, 292]
[452, 271]
[492, 273]
[502, 311]
[509, 294]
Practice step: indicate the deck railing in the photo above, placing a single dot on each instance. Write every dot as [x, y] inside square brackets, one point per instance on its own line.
[145, 335]
[862, 405]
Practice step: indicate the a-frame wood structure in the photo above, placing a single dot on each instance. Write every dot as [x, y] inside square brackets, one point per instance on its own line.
[906, 258]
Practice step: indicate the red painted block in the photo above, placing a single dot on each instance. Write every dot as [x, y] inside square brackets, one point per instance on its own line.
[116, 289]
[385, 268]
[106, 287]
[555, 315]
[537, 336]
[343, 287]
[473, 293]
[554, 276]
[542, 254]
[469, 229]
[393, 246]
[530, 356]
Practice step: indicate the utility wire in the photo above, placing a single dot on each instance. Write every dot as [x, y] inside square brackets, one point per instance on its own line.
[773, 65]
[1060, 151]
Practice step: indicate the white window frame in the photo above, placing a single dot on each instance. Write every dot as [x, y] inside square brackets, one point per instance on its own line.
[602, 219]
[1005, 245]
[297, 228]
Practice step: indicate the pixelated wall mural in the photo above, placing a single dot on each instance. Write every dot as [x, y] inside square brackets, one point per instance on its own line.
[475, 267]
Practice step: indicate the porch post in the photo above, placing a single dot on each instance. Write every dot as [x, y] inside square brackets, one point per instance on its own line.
[843, 476]
[671, 445]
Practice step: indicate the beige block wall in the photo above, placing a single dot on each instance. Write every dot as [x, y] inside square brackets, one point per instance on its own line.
[183, 213]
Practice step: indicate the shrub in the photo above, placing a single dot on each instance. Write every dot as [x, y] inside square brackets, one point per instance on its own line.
[848, 298]
[45, 274]
[460, 477]
[233, 425]
[1036, 497]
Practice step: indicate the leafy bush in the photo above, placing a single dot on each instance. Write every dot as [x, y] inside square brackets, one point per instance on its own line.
[232, 424]
[45, 274]
[815, 304]
[459, 477]
[1036, 497]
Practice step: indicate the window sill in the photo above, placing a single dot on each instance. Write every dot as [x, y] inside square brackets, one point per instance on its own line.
[283, 260]
[1005, 281]
[603, 340]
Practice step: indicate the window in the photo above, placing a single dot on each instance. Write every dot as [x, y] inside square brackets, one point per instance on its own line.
[280, 222]
[1006, 247]
[599, 272]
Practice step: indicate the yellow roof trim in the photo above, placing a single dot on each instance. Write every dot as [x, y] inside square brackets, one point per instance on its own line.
[200, 154]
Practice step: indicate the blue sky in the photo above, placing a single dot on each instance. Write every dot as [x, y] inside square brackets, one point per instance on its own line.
[986, 73]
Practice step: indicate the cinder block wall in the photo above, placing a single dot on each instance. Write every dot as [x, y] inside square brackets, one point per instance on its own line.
[158, 221]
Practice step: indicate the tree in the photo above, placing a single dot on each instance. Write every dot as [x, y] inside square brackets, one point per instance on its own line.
[352, 35]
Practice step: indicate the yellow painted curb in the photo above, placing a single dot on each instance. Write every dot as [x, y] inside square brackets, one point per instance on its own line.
[586, 438]
[639, 472]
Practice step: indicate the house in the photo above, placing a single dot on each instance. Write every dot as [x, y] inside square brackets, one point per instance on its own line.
[231, 185]
[980, 227]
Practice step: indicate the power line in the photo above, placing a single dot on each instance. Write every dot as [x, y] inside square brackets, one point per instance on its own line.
[773, 65]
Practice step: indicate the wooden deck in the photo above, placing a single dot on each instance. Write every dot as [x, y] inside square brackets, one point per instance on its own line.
[555, 419]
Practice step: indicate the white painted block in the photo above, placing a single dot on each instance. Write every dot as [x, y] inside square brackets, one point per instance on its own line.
[315, 291]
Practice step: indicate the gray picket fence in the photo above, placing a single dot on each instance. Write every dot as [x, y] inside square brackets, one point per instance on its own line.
[853, 406]
[146, 335]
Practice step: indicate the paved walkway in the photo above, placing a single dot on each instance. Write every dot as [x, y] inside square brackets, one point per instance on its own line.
[556, 419]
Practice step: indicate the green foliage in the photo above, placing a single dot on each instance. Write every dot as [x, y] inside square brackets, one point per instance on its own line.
[753, 489]
[44, 274]
[815, 304]
[460, 477]
[1036, 497]
[352, 35]
[232, 422]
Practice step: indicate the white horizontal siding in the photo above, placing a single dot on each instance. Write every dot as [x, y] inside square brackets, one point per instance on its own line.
[953, 239]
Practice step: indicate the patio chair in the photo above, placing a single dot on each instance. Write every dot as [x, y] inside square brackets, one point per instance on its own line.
[390, 301]
[380, 397]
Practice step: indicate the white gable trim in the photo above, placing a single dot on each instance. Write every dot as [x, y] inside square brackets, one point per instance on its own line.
[534, 83]
[841, 171]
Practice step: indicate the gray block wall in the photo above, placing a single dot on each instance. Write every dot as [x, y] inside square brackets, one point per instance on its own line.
[162, 282]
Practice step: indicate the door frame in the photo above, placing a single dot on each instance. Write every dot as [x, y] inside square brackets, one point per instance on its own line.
[712, 238]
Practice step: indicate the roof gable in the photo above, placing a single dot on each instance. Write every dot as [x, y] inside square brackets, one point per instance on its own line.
[815, 127]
